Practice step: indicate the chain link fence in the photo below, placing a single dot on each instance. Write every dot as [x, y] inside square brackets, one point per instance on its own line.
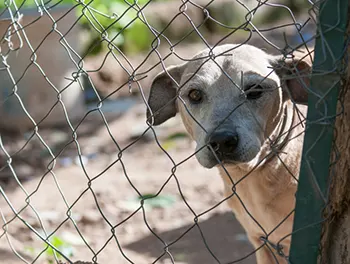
[87, 175]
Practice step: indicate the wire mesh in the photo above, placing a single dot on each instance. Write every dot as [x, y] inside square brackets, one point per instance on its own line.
[85, 175]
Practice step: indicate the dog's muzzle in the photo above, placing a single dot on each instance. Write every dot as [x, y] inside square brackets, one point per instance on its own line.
[224, 144]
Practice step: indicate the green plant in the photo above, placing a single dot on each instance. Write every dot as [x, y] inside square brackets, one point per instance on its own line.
[114, 22]
[106, 22]
[159, 200]
[61, 245]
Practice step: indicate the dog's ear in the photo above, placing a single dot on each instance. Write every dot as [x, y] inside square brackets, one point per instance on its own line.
[295, 74]
[162, 98]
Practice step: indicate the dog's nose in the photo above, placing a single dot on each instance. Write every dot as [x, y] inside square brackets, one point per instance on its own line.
[224, 142]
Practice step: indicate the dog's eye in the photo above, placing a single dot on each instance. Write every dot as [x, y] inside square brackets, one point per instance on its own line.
[254, 92]
[195, 96]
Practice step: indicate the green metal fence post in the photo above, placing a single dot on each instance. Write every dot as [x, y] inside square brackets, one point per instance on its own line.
[314, 170]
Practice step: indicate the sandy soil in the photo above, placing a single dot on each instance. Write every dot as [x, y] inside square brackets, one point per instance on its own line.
[102, 217]
[89, 204]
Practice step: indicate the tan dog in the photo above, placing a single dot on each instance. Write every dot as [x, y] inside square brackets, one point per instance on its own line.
[243, 123]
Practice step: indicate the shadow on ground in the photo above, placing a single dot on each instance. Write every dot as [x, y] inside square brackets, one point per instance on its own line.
[222, 232]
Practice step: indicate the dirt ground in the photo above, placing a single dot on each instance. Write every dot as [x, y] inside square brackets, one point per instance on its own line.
[87, 198]
[83, 215]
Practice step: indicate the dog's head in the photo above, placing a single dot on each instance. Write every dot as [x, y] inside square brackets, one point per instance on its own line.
[230, 102]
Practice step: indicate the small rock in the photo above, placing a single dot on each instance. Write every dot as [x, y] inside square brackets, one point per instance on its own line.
[84, 161]
[58, 137]
[138, 130]
[241, 237]
[90, 217]
[92, 156]
[34, 222]
[66, 161]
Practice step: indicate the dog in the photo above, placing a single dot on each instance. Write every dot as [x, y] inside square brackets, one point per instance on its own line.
[245, 110]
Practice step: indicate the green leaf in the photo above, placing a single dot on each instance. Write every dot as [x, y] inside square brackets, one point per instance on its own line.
[138, 37]
[158, 201]
[118, 39]
[177, 136]
[168, 144]
[57, 242]
[100, 15]
[61, 245]
[123, 19]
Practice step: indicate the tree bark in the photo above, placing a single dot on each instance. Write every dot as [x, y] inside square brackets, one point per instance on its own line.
[335, 243]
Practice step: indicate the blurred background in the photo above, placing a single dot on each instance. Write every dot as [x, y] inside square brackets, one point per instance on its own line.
[80, 167]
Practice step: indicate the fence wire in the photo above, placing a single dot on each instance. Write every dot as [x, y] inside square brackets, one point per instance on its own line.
[48, 130]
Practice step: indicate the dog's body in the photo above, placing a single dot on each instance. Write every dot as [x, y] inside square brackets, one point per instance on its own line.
[268, 194]
[232, 106]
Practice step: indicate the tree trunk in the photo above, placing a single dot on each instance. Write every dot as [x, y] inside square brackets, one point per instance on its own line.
[335, 243]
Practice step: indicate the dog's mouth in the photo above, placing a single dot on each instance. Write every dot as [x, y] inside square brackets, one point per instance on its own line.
[230, 162]
[226, 162]
[229, 159]
[221, 163]
[220, 158]
[210, 157]
[223, 157]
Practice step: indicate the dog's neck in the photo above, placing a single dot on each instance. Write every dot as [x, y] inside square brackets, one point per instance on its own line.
[276, 142]
[275, 148]
[281, 136]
